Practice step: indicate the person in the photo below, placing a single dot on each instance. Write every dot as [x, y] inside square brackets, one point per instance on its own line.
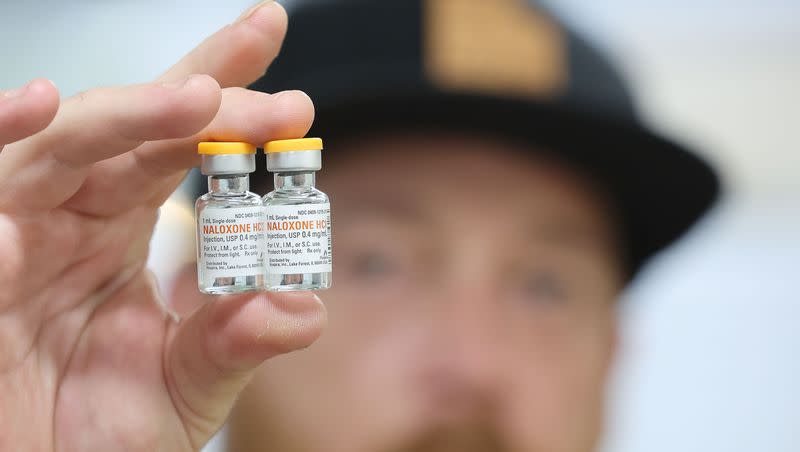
[492, 193]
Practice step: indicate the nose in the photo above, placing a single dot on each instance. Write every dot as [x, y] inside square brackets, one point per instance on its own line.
[463, 350]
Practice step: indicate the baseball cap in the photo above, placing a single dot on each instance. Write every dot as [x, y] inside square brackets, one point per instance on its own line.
[505, 67]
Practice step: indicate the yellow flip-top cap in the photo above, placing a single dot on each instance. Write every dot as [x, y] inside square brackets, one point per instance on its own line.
[225, 147]
[298, 144]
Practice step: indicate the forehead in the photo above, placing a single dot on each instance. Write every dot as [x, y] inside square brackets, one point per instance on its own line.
[409, 154]
[420, 170]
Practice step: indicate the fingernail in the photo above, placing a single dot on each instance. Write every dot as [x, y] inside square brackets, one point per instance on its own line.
[252, 10]
[177, 84]
[279, 95]
[17, 92]
[288, 93]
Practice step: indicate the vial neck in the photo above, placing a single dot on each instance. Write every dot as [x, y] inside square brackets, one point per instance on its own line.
[233, 185]
[295, 181]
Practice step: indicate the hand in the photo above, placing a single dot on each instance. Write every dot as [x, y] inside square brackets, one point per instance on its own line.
[88, 360]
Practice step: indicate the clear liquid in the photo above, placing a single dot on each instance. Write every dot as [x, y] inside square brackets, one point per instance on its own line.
[299, 281]
[221, 285]
[296, 189]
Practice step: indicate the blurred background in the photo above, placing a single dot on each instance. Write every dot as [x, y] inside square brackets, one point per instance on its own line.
[709, 358]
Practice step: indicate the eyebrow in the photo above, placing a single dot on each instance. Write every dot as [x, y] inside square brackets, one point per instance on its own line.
[572, 235]
[395, 208]
[560, 231]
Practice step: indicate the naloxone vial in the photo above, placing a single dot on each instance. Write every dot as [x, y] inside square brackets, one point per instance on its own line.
[297, 218]
[230, 229]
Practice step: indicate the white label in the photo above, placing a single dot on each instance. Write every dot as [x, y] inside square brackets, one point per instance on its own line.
[298, 239]
[231, 242]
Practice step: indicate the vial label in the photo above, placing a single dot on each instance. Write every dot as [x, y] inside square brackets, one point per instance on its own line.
[298, 239]
[231, 242]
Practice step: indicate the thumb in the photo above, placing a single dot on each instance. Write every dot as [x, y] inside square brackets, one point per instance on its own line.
[213, 354]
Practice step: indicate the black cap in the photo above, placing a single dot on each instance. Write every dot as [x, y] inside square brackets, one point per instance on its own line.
[505, 67]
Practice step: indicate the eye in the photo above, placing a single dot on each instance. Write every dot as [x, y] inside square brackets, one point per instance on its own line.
[374, 264]
[544, 286]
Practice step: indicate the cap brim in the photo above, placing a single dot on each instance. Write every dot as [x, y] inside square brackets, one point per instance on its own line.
[660, 188]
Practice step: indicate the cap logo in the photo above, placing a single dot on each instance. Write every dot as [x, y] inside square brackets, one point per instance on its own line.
[493, 47]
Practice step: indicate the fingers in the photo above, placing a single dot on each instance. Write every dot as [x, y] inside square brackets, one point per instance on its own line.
[212, 355]
[245, 115]
[239, 53]
[109, 121]
[98, 125]
[104, 123]
[27, 110]
[156, 168]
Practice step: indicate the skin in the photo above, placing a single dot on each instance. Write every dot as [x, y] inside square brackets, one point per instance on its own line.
[88, 359]
[472, 307]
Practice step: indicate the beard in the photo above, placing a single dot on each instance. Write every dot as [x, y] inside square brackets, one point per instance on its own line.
[460, 438]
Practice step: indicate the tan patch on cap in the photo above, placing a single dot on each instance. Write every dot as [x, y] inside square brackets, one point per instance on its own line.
[499, 47]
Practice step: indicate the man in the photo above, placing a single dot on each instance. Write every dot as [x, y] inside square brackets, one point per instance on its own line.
[484, 219]
[492, 194]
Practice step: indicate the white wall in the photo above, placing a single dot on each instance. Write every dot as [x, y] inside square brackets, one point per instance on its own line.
[711, 336]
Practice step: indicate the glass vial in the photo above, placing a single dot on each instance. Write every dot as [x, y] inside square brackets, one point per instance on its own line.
[297, 218]
[230, 229]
